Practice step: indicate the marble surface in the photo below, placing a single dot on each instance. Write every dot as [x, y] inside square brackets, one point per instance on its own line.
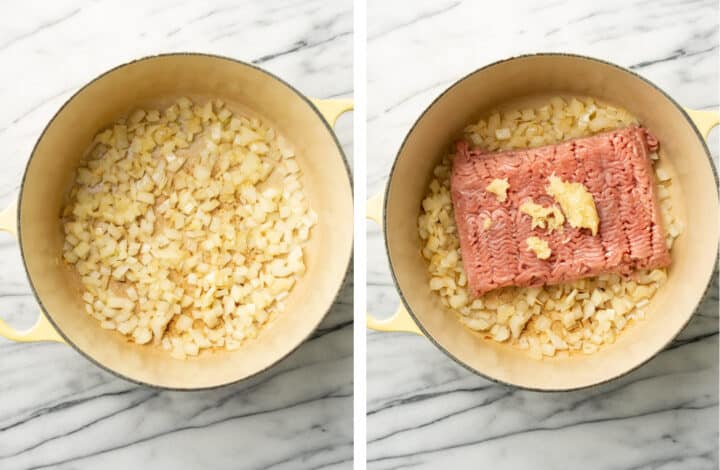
[58, 410]
[424, 411]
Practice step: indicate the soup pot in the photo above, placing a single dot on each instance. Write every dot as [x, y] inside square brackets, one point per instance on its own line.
[35, 217]
[681, 133]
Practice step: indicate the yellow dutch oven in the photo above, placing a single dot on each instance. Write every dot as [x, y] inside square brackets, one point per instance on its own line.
[35, 217]
[524, 80]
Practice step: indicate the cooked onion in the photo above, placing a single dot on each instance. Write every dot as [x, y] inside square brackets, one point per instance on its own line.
[178, 233]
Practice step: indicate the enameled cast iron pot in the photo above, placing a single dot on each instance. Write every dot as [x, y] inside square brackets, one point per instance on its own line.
[35, 217]
[524, 80]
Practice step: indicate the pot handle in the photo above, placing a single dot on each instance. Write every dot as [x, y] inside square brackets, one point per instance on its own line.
[332, 108]
[400, 321]
[42, 330]
[704, 120]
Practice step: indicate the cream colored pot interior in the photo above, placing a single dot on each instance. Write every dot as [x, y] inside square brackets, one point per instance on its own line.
[523, 80]
[155, 81]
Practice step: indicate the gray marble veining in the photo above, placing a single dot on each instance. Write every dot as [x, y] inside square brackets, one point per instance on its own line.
[58, 410]
[425, 411]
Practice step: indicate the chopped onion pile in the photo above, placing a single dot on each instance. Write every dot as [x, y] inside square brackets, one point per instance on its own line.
[574, 317]
[186, 227]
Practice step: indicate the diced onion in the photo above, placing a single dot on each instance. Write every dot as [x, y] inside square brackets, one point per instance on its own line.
[178, 233]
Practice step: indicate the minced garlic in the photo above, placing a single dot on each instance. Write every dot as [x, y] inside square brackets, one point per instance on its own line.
[538, 246]
[576, 202]
[499, 188]
[544, 217]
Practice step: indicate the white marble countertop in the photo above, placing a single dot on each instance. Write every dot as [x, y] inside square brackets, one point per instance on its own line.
[58, 410]
[425, 411]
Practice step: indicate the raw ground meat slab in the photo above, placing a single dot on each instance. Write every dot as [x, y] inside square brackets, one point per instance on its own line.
[616, 169]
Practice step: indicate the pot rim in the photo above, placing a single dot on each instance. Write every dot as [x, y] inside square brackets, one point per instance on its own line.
[387, 246]
[45, 312]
